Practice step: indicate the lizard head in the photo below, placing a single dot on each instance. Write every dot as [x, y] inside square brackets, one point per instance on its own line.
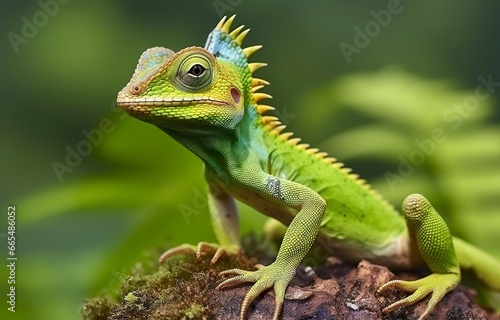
[195, 89]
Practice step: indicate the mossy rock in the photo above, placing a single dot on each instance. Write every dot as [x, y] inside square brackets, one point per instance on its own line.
[184, 288]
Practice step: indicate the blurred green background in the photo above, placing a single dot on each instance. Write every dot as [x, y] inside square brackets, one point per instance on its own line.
[81, 225]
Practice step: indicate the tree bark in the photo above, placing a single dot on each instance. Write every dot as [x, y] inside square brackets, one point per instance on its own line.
[186, 290]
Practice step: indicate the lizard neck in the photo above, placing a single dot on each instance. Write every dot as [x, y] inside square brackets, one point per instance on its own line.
[221, 148]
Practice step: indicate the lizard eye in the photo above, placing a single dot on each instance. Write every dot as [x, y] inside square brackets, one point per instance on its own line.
[194, 73]
[197, 70]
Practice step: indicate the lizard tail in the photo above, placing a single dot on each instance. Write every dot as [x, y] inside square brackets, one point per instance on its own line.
[484, 266]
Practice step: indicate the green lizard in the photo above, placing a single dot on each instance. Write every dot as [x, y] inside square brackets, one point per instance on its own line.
[208, 100]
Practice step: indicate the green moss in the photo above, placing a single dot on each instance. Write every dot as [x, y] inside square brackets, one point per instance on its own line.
[179, 289]
[130, 297]
[97, 309]
[195, 311]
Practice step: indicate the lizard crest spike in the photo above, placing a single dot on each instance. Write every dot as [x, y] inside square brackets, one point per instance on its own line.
[236, 32]
[239, 39]
[257, 88]
[256, 66]
[225, 45]
[226, 26]
[261, 108]
[278, 129]
[286, 135]
[221, 22]
[259, 82]
[268, 119]
[259, 96]
[251, 50]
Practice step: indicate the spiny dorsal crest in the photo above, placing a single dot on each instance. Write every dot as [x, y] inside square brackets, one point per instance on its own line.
[226, 45]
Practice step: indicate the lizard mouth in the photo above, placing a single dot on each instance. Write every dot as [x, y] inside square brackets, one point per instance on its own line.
[127, 103]
[149, 109]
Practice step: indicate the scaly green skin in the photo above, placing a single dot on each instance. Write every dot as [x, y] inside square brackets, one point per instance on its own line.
[207, 99]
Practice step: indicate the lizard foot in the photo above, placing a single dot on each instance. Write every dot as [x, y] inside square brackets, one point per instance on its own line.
[200, 249]
[271, 276]
[435, 284]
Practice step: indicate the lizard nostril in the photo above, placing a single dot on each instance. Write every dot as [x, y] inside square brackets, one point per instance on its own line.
[236, 95]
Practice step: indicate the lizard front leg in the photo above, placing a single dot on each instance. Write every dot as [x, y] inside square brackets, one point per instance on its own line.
[297, 241]
[225, 223]
[435, 244]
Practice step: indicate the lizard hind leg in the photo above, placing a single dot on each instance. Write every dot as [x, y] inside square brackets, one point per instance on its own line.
[433, 239]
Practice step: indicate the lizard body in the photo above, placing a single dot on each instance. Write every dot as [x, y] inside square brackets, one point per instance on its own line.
[208, 100]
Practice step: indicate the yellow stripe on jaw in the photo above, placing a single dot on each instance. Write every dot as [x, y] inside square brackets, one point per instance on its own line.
[176, 101]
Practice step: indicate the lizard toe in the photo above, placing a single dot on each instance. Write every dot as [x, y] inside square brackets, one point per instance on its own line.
[273, 276]
[184, 249]
[436, 285]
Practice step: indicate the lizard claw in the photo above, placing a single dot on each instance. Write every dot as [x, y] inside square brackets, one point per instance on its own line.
[199, 250]
[272, 276]
[437, 285]
[204, 247]
[182, 249]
